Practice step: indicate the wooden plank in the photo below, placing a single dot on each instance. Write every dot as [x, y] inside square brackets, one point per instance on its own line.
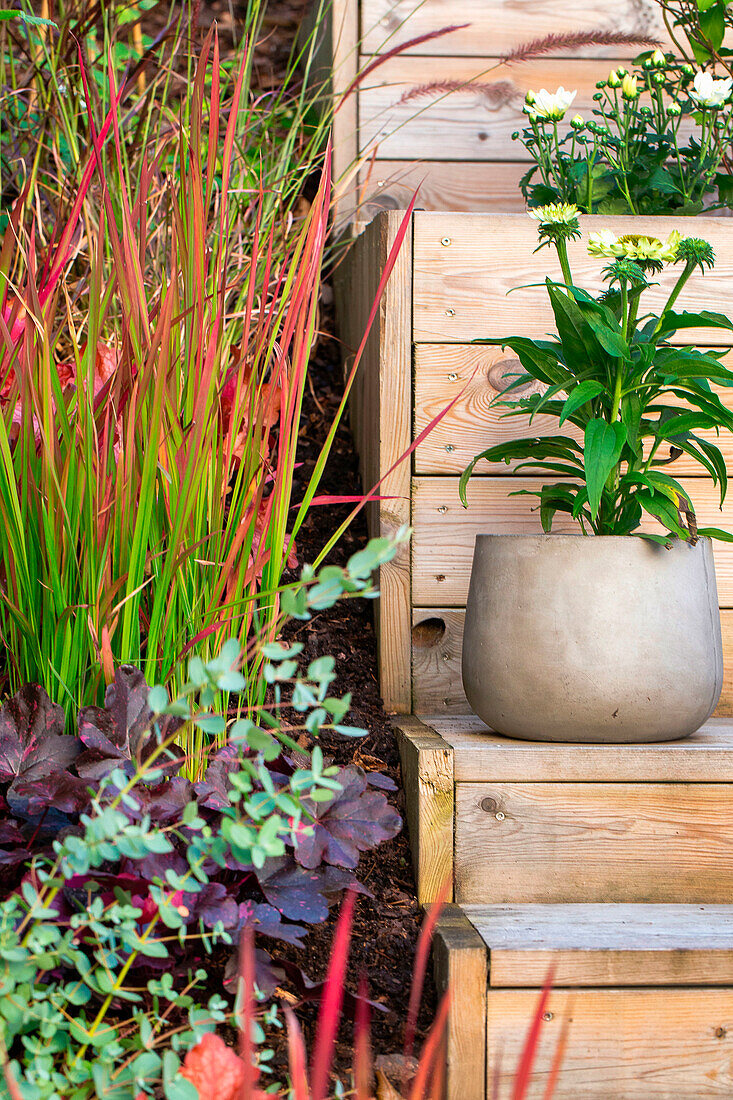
[606, 945]
[441, 185]
[437, 639]
[593, 842]
[329, 39]
[626, 1044]
[478, 375]
[396, 122]
[437, 687]
[497, 26]
[461, 287]
[445, 531]
[460, 961]
[381, 412]
[427, 777]
[480, 755]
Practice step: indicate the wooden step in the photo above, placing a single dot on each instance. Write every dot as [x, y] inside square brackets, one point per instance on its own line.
[647, 991]
[530, 822]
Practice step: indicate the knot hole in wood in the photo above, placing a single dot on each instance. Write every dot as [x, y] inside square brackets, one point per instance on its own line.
[504, 372]
[428, 633]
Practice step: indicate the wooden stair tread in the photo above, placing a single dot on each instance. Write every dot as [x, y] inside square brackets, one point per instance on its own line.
[479, 755]
[612, 944]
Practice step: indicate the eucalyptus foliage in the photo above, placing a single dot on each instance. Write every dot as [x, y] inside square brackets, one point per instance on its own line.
[133, 873]
[612, 371]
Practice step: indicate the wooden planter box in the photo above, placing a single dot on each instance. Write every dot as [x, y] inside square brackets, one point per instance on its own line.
[450, 286]
[456, 144]
[614, 865]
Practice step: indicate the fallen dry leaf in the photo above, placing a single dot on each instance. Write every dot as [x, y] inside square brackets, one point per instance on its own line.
[386, 1091]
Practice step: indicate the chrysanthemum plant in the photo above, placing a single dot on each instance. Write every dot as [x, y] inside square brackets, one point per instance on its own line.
[613, 372]
[655, 145]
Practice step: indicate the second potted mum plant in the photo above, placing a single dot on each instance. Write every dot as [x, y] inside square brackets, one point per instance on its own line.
[613, 637]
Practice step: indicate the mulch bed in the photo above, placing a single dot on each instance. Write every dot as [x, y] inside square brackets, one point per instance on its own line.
[387, 924]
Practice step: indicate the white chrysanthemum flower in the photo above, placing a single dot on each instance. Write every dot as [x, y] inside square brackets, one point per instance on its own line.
[706, 91]
[604, 243]
[555, 213]
[551, 105]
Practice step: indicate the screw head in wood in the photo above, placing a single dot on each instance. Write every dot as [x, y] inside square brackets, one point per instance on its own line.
[443, 509]
[449, 448]
[500, 816]
[450, 313]
[452, 377]
[547, 1016]
[445, 242]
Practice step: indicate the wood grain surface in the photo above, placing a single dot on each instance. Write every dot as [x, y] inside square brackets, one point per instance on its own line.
[629, 1044]
[441, 185]
[593, 842]
[381, 421]
[496, 26]
[427, 777]
[606, 945]
[478, 375]
[460, 960]
[479, 755]
[445, 531]
[470, 123]
[466, 265]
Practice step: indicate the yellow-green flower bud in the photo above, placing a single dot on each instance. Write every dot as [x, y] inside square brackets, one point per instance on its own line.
[614, 79]
[577, 122]
[530, 98]
[659, 61]
[674, 110]
[629, 87]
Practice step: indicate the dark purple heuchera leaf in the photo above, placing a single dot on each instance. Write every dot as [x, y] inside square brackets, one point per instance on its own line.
[32, 740]
[379, 779]
[213, 789]
[301, 894]
[355, 820]
[121, 732]
[212, 904]
[294, 892]
[63, 792]
[13, 850]
[268, 922]
[154, 867]
[163, 803]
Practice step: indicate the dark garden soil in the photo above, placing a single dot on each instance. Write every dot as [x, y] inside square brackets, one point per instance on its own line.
[387, 923]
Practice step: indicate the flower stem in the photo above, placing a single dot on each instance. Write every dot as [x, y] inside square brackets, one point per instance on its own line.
[676, 290]
[562, 255]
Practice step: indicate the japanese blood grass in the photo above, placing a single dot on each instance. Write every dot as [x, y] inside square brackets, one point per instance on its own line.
[150, 418]
[280, 136]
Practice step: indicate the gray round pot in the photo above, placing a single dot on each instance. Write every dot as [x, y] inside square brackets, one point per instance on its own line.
[596, 639]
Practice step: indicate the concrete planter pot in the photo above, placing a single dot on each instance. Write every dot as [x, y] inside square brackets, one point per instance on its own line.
[594, 639]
